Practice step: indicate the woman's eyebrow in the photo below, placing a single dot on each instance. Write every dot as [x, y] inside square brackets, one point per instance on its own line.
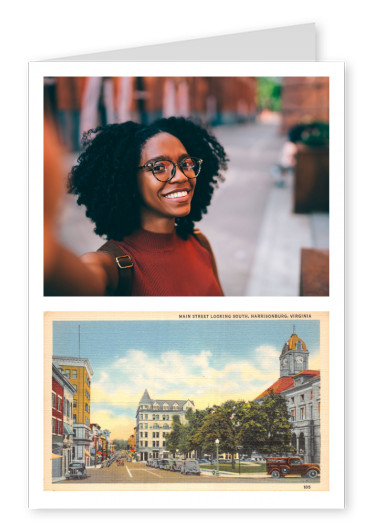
[166, 157]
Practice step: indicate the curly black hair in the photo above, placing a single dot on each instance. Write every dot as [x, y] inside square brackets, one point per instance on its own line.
[105, 176]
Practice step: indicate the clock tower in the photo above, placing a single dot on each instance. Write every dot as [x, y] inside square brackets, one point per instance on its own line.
[294, 356]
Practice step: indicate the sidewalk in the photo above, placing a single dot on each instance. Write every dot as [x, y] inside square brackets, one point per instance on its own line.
[276, 266]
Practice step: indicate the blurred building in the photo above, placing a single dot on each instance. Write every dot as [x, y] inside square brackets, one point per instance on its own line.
[83, 103]
[304, 100]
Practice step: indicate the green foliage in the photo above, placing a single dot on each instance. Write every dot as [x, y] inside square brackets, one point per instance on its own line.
[120, 444]
[262, 428]
[269, 91]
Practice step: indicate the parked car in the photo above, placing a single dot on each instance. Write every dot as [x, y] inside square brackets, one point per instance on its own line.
[190, 466]
[76, 470]
[282, 466]
[178, 464]
[168, 464]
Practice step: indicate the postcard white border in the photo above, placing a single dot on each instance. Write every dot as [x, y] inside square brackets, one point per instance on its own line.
[334, 304]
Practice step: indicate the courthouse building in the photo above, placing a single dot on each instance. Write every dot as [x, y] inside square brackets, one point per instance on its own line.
[154, 422]
[301, 389]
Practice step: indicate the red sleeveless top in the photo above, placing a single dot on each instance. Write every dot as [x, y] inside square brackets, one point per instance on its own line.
[166, 265]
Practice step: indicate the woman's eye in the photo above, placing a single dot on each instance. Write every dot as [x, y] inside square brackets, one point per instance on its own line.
[188, 164]
[160, 167]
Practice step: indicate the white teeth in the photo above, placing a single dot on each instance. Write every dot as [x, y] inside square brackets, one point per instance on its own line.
[176, 194]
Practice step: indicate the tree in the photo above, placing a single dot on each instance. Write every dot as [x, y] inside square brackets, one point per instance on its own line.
[265, 427]
[120, 444]
[220, 423]
[275, 419]
[173, 438]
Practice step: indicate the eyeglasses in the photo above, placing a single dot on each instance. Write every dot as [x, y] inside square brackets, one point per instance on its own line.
[165, 170]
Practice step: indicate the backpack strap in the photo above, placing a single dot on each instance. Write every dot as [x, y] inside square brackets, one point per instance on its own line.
[204, 242]
[125, 267]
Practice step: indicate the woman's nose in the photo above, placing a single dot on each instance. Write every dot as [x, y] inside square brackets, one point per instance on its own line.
[177, 175]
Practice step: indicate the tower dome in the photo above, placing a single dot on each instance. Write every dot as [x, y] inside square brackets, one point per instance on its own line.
[293, 342]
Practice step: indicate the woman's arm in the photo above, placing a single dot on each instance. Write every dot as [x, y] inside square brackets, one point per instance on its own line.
[67, 274]
[64, 272]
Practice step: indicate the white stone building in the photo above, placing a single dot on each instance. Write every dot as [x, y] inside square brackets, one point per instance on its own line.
[154, 422]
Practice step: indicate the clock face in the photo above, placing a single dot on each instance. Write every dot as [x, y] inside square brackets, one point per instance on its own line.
[285, 362]
[299, 359]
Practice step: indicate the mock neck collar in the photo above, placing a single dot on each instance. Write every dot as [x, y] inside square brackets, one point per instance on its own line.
[152, 241]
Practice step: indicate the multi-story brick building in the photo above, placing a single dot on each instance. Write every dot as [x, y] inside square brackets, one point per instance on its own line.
[79, 372]
[301, 389]
[62, 422]
[154, 421]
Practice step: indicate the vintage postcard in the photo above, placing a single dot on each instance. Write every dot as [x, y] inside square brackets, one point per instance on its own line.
[186, 401]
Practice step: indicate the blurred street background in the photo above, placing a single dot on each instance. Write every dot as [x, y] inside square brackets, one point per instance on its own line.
[269, 220]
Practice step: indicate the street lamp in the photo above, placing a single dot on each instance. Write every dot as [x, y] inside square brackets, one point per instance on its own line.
[240, 448]
[217, 444]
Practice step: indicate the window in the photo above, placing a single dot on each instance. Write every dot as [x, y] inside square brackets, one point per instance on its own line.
[156, 407]
[175, 406]
[74, 419]
[67, 373]
[141, 434]
[141, 416]
[74, 403]
[302, 398]
[311, 407]
[311, 394]
[53, 425]
[164, 443]
[318, 406]
[292, 399]
[293, 415]
[74, 374]
[145, 425]
[165, 407]
[302, 413]
[53, 400]
[146, 417]
[75, 388]
[58, 403]
[87, 421]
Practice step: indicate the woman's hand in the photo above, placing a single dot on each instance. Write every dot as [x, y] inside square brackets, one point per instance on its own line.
[64, 272]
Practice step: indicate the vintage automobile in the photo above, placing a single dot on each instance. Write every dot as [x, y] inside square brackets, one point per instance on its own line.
[190, 466]
[283, 466]
[76, 470]
[177, 465]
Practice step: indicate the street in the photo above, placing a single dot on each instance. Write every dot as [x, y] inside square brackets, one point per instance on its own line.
[140, 473]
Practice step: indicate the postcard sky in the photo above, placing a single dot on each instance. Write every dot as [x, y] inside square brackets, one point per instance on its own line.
[206, 361]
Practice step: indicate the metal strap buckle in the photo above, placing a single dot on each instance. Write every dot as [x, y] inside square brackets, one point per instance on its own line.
[124, 266]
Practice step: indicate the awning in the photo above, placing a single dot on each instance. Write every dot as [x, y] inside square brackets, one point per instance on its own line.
[54, 456]
[68, 430]
[87, 453]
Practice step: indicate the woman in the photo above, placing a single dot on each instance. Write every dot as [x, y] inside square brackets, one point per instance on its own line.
[144, 187]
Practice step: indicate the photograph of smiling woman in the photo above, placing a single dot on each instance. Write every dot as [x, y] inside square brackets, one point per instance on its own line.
[144, 187]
